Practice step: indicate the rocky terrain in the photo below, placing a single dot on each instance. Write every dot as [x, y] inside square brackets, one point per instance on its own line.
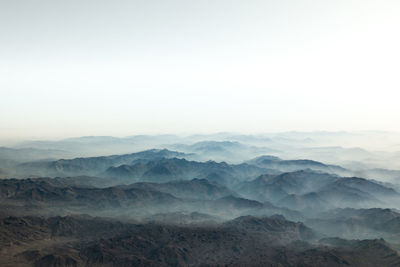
[168, 208]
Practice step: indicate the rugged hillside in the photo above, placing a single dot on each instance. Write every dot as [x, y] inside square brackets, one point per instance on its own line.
[245, 241]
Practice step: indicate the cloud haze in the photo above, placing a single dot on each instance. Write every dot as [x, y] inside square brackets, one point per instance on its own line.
[124, 67]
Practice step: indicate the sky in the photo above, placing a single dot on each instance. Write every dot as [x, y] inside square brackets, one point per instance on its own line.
[96, 67]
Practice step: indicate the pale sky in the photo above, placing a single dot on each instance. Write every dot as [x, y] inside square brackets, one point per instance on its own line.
[80, 67]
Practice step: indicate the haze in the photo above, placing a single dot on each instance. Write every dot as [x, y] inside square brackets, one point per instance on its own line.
[72, 68]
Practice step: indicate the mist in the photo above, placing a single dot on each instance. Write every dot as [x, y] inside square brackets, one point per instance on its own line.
[332, 191]
[199, 133]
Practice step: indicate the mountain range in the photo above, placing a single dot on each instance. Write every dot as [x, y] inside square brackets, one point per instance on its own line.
[204, 203]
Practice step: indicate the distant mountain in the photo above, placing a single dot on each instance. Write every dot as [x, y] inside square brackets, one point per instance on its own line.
[19, 155]
[181, 169]
[368, 186]
[358, 192]
[276, 187]
[272, 162]
[231, 151]
[380, 174]
[339, 194]
[302, 182]
[90, 145]
[91, 165]
[311, 190]
[262, 190]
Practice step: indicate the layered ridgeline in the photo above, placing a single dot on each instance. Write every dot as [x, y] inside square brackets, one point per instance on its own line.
[161, 207]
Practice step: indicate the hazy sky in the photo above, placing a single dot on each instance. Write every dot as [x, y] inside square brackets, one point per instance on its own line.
[98, 67]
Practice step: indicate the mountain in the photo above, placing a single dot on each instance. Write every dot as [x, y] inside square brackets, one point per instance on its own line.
[276, 187]
[81, 240]
[91, 165]
[262, 190]
[312, 190]
[380, 174]
[301, 182]
[231, 151]
[193, 189]
[272, 162]
[374, 252]
[357, 192]
[376, 189]
[359, 223]
[39, 196]
[79, 181]
[306, 203]
[19, 155]
[308, 192]
[181, 169]
[183, 218]
[287, 231]
[48, 198]
[102, 145]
